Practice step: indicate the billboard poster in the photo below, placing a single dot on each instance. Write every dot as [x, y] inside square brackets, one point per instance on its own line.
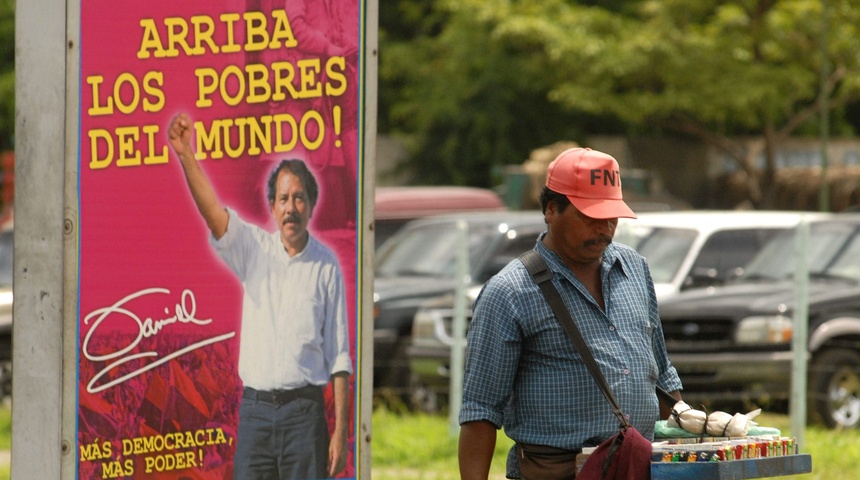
[219, 205]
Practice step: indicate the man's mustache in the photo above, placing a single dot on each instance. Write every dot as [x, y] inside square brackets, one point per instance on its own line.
[290, 218]
[604, 239]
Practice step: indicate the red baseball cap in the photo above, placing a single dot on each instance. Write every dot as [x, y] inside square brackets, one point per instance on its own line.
[591, 180]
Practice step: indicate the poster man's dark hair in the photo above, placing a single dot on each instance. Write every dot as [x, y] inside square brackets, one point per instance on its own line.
[299, 169]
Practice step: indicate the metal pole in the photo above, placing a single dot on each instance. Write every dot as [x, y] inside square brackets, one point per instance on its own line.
[459, 328]
[824, 94]
[800, 334]
[370, 65]
[41, 440]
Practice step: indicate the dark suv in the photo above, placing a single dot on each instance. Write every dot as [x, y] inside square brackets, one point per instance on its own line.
[420, 262]
[733, 342]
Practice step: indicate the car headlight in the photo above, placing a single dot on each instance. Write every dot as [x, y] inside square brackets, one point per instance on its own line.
[765, 330]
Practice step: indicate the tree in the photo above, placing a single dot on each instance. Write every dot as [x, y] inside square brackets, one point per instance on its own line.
[7, 74]
[464, 103]
[485, 81]
[712, 69]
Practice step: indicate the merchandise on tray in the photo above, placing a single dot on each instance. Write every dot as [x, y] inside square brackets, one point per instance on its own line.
[718, 424]
[721, 451]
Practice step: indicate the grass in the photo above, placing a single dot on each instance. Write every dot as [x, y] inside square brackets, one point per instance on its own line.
[5, 428]
[5, 438]
[410, 446]
[420, 447]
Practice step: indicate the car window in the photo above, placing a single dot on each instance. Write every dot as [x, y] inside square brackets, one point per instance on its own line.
[827, 242]
[430, 250]
[847, 264]
[724, 254]
[631, 234]
[665, 250]
[511, 247]
[385, 229]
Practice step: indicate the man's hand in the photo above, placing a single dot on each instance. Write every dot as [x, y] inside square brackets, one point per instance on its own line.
[336, 453]
[179, 134]
[477, 443]
[216, 217]
[337, 445]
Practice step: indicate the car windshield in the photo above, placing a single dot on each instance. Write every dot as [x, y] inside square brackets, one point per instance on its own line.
[430, 250]
[834, 251]
[665, 250]
[6, 257]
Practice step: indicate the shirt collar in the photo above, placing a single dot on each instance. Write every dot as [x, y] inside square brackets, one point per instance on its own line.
[276, 236]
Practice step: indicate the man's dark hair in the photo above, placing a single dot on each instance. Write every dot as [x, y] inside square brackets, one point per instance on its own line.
[299, 169]
[547, 195]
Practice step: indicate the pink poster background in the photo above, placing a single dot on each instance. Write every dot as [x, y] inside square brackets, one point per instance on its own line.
[159, 313]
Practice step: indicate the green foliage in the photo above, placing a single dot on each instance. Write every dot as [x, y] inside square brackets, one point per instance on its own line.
[465, 102]
[733, 67]
[7, 74]
[485, 81]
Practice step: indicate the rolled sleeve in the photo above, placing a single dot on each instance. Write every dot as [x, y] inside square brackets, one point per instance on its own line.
[336, 340]
[668, 378]
[492, 355]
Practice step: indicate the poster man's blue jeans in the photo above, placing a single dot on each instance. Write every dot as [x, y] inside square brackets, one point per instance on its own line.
[281, 441]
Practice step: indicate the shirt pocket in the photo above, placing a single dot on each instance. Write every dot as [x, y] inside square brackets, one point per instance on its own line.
[304, 318]
[641, 330]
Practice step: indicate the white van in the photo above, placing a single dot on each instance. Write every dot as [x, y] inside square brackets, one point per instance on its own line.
[700, 248]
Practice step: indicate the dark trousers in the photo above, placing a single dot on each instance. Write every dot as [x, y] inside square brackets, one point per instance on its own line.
[281, 437]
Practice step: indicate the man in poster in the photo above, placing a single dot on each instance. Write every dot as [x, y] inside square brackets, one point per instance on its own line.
[294, 337]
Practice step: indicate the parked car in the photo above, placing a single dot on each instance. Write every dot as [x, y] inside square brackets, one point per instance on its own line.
[395, 206]
[684, 249]
[733, 342]
[420, 262]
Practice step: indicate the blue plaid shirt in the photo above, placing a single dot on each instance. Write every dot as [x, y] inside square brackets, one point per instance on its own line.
[523, 373]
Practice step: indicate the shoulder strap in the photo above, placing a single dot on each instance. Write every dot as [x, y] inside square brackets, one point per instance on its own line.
[542, 276]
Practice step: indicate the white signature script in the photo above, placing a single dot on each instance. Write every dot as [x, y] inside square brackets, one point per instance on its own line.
[184, 312]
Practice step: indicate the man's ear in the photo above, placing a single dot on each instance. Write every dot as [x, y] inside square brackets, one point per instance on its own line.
[550, 211]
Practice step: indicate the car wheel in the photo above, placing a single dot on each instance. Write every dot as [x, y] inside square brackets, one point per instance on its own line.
[835, 388]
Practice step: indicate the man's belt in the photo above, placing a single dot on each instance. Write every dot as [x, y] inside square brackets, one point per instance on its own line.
[282, 397]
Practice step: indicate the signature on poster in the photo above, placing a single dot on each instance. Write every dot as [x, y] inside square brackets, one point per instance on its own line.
[184, 312]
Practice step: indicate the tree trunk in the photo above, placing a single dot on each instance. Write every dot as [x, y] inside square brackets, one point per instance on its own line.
[768, 178]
